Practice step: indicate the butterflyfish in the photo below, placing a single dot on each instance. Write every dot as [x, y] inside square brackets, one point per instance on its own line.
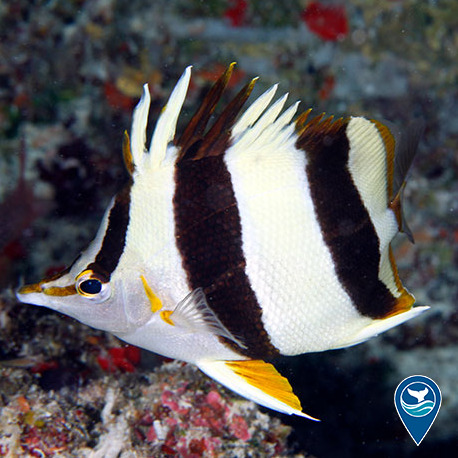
[262, 235]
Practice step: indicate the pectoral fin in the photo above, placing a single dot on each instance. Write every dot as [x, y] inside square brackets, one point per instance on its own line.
[257, 381]
[194, 313]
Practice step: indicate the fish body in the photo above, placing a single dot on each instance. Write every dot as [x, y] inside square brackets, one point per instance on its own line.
[260, 236]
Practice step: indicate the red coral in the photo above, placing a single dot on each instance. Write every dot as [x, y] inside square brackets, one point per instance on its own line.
[168, 450]
[236, 13]
[328, 22]
[123, 358]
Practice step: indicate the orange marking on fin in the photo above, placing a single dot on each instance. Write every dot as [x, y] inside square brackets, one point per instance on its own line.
[389, 143]
[165, 315]
[405, 301]
[302, 118]
[395, 206]
[265, 377]
[395, 269]
[127, 153]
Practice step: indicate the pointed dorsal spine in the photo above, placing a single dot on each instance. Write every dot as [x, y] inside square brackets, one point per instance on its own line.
[164, 131]
[138, 131]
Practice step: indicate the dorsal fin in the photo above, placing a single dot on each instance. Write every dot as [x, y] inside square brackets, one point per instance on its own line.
[196, 127]
[215, 141]
[254, 111]
[164, 132]
[138, 130]
[194, 143]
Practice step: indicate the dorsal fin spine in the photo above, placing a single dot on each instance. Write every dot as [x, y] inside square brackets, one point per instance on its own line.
[164, 131]
[254, 111]
[281, 129]
[217, 138]
[196, 127]
[287, 116]
[270, 116]
[266, 125]
[302, 119]
[138, 131]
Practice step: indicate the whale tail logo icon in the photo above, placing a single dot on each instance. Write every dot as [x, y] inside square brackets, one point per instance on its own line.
[420, 395]
[417, 400]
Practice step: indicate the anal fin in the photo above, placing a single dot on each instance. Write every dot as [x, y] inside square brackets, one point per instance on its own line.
[257, 381]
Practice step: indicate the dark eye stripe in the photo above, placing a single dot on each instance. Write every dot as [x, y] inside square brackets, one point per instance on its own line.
[114, 240]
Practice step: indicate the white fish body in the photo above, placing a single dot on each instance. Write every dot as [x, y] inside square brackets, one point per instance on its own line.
[256, 238]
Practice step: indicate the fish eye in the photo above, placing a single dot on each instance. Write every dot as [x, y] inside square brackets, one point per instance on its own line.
[92, 286]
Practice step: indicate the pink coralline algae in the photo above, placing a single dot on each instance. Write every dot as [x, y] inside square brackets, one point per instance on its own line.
[177, 421]
[239, 428]
[199, 419]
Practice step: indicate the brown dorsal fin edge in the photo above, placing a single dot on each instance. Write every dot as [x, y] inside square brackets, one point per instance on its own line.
[313, 130]
[194, 143]
[217, 138]
[196, 126]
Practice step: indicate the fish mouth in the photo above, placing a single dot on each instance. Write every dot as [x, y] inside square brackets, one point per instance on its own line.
[48, 290]
[29, 294]
[29, 289]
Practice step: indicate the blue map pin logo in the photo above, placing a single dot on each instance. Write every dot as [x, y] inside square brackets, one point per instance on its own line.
[418, 400]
